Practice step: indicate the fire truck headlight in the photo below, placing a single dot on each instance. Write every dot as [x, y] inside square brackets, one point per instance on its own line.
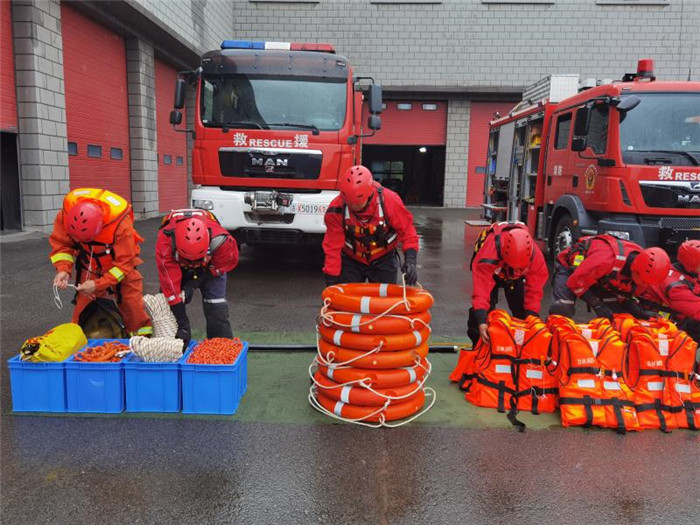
[625, 236]
[203, 204]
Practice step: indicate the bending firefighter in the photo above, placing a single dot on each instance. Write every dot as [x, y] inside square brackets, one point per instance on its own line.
[194, 251]
[505, 256]
[678, 296]
[606, 272]
[364, 226]
[94, 233]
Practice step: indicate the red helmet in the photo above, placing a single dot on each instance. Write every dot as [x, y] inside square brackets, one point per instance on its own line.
[84, 221]
[356, 186]
[689, 256]
[650, 267]
[192, 239]
[517, 248]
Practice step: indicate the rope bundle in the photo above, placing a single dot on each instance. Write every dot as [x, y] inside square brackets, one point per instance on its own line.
[164, 322]
[156, 349]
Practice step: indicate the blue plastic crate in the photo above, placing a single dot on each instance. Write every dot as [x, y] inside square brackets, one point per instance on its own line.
[153, 387]
[214, 389]
[37, 387]
[95, 387]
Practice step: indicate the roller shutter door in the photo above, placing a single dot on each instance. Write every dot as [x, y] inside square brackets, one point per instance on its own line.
[480, 115]
[97, 113]
[410, 123]
[8, 93]
[172, 146]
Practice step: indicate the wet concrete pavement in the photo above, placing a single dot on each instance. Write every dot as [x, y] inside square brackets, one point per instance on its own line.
[150, 469]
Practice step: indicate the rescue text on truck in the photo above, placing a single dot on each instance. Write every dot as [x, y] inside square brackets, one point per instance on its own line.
[275, 124]
[581, 158]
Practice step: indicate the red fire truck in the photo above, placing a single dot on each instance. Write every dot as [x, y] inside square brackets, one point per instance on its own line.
[619, 157]
[275, 125]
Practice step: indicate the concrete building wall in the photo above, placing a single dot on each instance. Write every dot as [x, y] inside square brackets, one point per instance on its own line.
[485, 45]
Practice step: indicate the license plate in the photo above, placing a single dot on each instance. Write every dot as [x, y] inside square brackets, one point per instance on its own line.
[309, 209]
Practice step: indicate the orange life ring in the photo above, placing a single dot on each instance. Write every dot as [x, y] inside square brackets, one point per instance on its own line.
[393, 359]
[358, 395]
[390, 378]
[368, 341]
[374, 298]
[367, 413]
[368, 324]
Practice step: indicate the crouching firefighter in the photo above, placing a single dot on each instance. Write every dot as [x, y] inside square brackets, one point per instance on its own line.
[505, 256]
[678, 297]
[194, 251]
[364, 226]
[94, 234]
[606, 272]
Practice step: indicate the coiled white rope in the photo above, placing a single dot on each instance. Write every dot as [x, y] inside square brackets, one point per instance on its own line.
[156, 349]
[164, 322]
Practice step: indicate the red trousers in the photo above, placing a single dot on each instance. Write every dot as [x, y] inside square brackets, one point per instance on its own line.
[131, 306]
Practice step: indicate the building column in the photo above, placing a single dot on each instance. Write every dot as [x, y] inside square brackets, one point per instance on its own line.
[41, 109]
[457, 150]
[140, 73]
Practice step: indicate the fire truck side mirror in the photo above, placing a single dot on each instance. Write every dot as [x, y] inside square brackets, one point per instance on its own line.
[374, 122]
[579, 143]
[175, 117]
[374, 99]
[583, 121]
[179, 102]
[627, 103]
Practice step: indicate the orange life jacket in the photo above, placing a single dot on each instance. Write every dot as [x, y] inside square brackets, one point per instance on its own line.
[512, 371]
[373, 240]
[682, 389]
[592, 389]
[623, 323]
[645, 373]
[465, 371]
[114, 209]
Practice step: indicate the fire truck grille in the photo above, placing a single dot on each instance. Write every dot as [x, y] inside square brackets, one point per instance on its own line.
[680, 223]
[270, 164]
[266, 218]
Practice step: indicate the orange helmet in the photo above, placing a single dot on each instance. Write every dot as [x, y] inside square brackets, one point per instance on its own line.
[517, 248]
[192, 240]
[689, 256]
[84, 221]
[650, 267]
[356, 186]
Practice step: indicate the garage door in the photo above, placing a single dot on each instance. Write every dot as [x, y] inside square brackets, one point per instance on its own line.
[172, 146]
[8, 101]
[410, 123]
[94, 63]
[479, 117]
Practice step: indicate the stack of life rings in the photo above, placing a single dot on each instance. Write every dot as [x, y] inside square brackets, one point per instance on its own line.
[625, 375]
[371, 363]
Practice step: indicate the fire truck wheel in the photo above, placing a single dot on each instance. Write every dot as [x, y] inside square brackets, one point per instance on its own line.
[563, 235]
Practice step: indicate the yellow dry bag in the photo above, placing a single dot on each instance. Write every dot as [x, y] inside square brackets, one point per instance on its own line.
[57, 344]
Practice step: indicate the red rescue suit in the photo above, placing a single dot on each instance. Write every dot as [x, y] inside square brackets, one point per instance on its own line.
[223, 248]
[110, 259]
[368, 235]
[676, 298]
[488, 268]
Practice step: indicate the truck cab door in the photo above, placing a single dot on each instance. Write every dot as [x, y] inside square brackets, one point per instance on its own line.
[558, 174]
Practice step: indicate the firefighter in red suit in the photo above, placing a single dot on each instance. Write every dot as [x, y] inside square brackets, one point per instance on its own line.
[678, 296]
[607, 273]
[94, 234]
[194, 251]
[505, 256]
[364, 226]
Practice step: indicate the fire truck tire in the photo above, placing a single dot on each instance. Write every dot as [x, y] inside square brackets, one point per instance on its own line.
[563, 236]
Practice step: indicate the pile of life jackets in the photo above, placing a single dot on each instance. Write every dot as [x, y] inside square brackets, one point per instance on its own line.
[625, 375]
[513, 371]
[371, 364]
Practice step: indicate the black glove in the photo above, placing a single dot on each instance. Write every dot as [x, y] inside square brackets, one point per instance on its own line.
[331, 279]
[409, 267]
[636, 309]
[184, 331]
[600, 308]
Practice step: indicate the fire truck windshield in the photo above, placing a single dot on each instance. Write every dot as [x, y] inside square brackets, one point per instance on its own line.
[273, 103]
[663, 128]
